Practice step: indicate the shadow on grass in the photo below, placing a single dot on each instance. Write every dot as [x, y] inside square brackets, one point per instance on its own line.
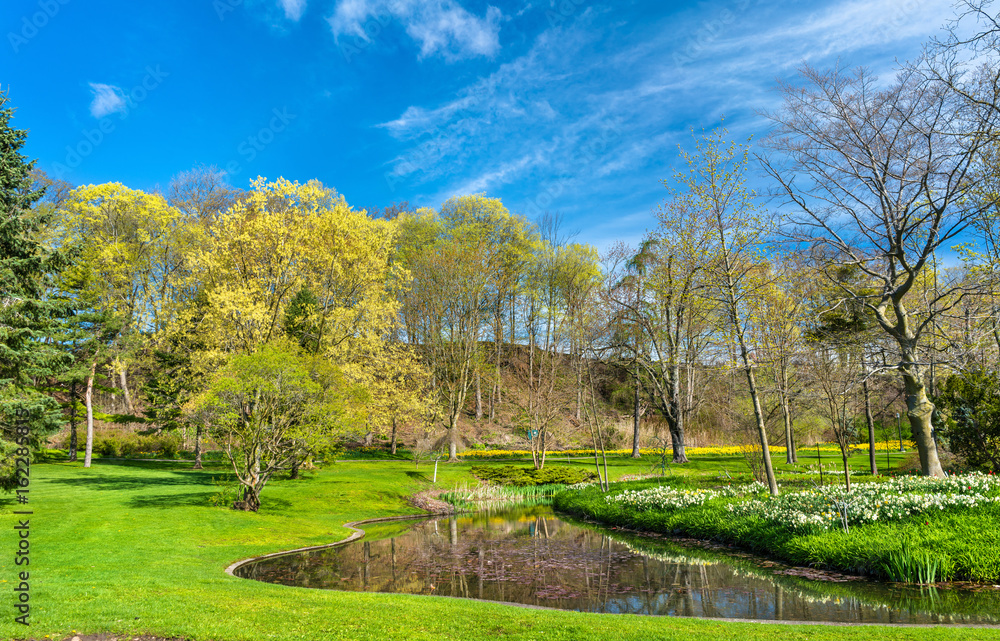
[201, 499]
[418, 476]
[272, 505]
[159, 465]
[131, 482]
[163, 501]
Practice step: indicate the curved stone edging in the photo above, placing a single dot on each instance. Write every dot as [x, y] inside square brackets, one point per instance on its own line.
[354, 536]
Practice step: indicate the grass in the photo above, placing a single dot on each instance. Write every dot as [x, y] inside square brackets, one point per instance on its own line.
[135, 547]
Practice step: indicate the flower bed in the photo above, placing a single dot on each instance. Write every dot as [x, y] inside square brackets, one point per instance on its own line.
[721, 450]
[829, 507]
[669, 498]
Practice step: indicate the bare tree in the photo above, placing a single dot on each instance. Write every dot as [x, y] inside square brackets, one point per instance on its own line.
[201, 193]
[777, 311]
[716, 183]
[661, 295]
[877, 179]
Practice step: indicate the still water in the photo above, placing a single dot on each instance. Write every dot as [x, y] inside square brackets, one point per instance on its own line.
[534, 557]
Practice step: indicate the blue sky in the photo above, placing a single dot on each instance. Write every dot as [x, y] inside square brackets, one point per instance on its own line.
[573, 107]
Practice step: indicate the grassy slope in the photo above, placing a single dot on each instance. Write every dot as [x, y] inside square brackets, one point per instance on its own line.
[135, 548]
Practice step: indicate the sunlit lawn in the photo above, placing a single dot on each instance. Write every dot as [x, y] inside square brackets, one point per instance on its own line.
[137, 547]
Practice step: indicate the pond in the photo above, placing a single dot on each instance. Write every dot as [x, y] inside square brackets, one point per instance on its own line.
[534, 557]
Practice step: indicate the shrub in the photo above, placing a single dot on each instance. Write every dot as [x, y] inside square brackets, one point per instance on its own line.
[107, 445]
[133, 445]
[970, 403]
[526, 476]
[169, 445]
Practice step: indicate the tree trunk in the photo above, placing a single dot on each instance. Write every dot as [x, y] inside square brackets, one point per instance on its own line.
[635, 417]
[870, 420]
[787, 419]
[392, 443]
[996, 327]
[453, 436]
[72, 421]
[495, 392]
[677, 425]
[129, 407]
[197, 448]
[579, 385]
[531, 369]
[251, 500]
[116, 401]
[542, 447]
[795, 448]
[791, 456]
[479, 396]
[677, 445]
[88, 399]
[772, 483]
[919, 411]
[591, 421]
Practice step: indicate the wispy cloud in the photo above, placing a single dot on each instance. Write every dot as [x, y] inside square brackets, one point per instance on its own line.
[440, 27]
[108, 99]
[293, 8]
[594, 113]
[840, 29]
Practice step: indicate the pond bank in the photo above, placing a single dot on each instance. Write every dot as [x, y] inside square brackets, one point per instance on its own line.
[537, 559]
[966, 543]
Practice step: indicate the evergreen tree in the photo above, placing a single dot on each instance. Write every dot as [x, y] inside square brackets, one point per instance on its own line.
[300, 320]
[28, 355]
[176, 376]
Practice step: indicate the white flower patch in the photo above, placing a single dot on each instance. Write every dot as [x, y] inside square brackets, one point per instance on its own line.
[669, 498]
[824, 508]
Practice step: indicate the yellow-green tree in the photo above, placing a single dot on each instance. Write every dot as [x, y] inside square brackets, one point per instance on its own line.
[131, 262]
[283, 236]
[449, 300]
[267, 406]
[134, 243]
[291, 258]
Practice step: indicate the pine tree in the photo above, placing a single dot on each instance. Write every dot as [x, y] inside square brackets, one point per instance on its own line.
[175, 377]
[300, 319]
[28, 356]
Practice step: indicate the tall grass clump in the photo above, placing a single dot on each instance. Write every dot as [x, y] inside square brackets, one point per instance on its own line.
[906, 566]
[490, 497]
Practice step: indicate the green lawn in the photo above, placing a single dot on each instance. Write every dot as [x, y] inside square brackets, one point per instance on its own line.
[136, 547]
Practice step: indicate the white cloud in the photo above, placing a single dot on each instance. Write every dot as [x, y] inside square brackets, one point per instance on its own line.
[108, 99]
[293, 8]
[440, 27]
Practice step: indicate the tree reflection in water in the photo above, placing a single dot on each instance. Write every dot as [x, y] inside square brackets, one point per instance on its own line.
[533, 557]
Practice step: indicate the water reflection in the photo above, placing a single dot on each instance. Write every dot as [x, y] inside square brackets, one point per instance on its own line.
[533, 557]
